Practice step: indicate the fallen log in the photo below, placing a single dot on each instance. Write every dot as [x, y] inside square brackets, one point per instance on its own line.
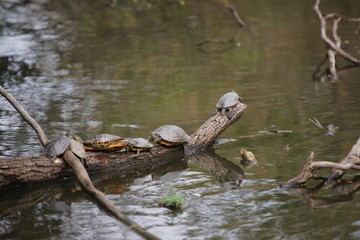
[26, 171]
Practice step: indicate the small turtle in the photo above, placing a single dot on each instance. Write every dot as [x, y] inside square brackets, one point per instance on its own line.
[137, 145]
[227, 102]
[248, 158]
[58, 146]
[78, 149]
[169, 135]
[105, 142]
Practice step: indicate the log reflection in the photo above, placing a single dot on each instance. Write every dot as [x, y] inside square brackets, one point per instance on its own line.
[225, 171]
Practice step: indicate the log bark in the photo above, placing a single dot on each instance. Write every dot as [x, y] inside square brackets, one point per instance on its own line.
[26, 171]
[205, 136]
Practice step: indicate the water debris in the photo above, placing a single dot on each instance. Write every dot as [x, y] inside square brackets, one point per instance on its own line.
[223, 140]
[287, 147]
[127, 125]
[270, 131]
[329, 130]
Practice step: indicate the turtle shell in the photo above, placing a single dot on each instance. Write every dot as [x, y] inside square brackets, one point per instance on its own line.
[105, 142]
[57, 147]
[77, 148]
[139, 143]
[172, 135]
[228, 100]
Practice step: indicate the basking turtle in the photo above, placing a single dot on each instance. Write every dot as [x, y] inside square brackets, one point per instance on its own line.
[137, 145]
[105, 142]
[227, 102]
[58, 146]
[78, 149]
[248, 158]
[169, 135]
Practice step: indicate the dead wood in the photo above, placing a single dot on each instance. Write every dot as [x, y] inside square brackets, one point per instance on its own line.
[205, 136]
[232, 39]
[351, 161]
[100, 197]
[67, 188]
[25, 171]
[335, 44]
[236, 14]
[24, 114]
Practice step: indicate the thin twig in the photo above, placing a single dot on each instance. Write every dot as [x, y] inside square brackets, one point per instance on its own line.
[236, 15]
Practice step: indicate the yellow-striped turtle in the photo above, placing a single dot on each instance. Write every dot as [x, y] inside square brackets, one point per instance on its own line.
[169, 135]
[105, 142]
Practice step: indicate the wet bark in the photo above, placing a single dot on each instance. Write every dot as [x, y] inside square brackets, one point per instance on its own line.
[205, 136]
[25, 171]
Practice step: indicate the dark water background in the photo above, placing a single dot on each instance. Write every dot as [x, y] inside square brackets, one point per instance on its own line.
[127, 70]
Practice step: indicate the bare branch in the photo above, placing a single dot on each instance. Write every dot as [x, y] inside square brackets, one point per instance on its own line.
[328, 41]
[100, 198]
[236, 15]
[25, 115]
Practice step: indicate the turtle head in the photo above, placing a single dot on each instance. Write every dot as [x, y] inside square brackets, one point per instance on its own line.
[70, 134]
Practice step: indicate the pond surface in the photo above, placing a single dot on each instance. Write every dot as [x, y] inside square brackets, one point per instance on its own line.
[127, 69]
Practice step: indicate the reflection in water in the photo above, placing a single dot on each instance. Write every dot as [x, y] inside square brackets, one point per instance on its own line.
[347, 189]
[227, 173]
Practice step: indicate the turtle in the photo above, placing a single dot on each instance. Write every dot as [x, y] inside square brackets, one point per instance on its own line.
[77, 147]
[248, 158]
[58, 146]
[169, 135]
[105, 142]
[227, 102]
[138, 144]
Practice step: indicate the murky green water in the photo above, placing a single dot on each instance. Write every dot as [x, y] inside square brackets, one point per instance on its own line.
[125, 71]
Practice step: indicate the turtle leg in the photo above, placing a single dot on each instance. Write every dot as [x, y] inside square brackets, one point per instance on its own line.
[137, 153]
[230, 114]
[217, 110]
